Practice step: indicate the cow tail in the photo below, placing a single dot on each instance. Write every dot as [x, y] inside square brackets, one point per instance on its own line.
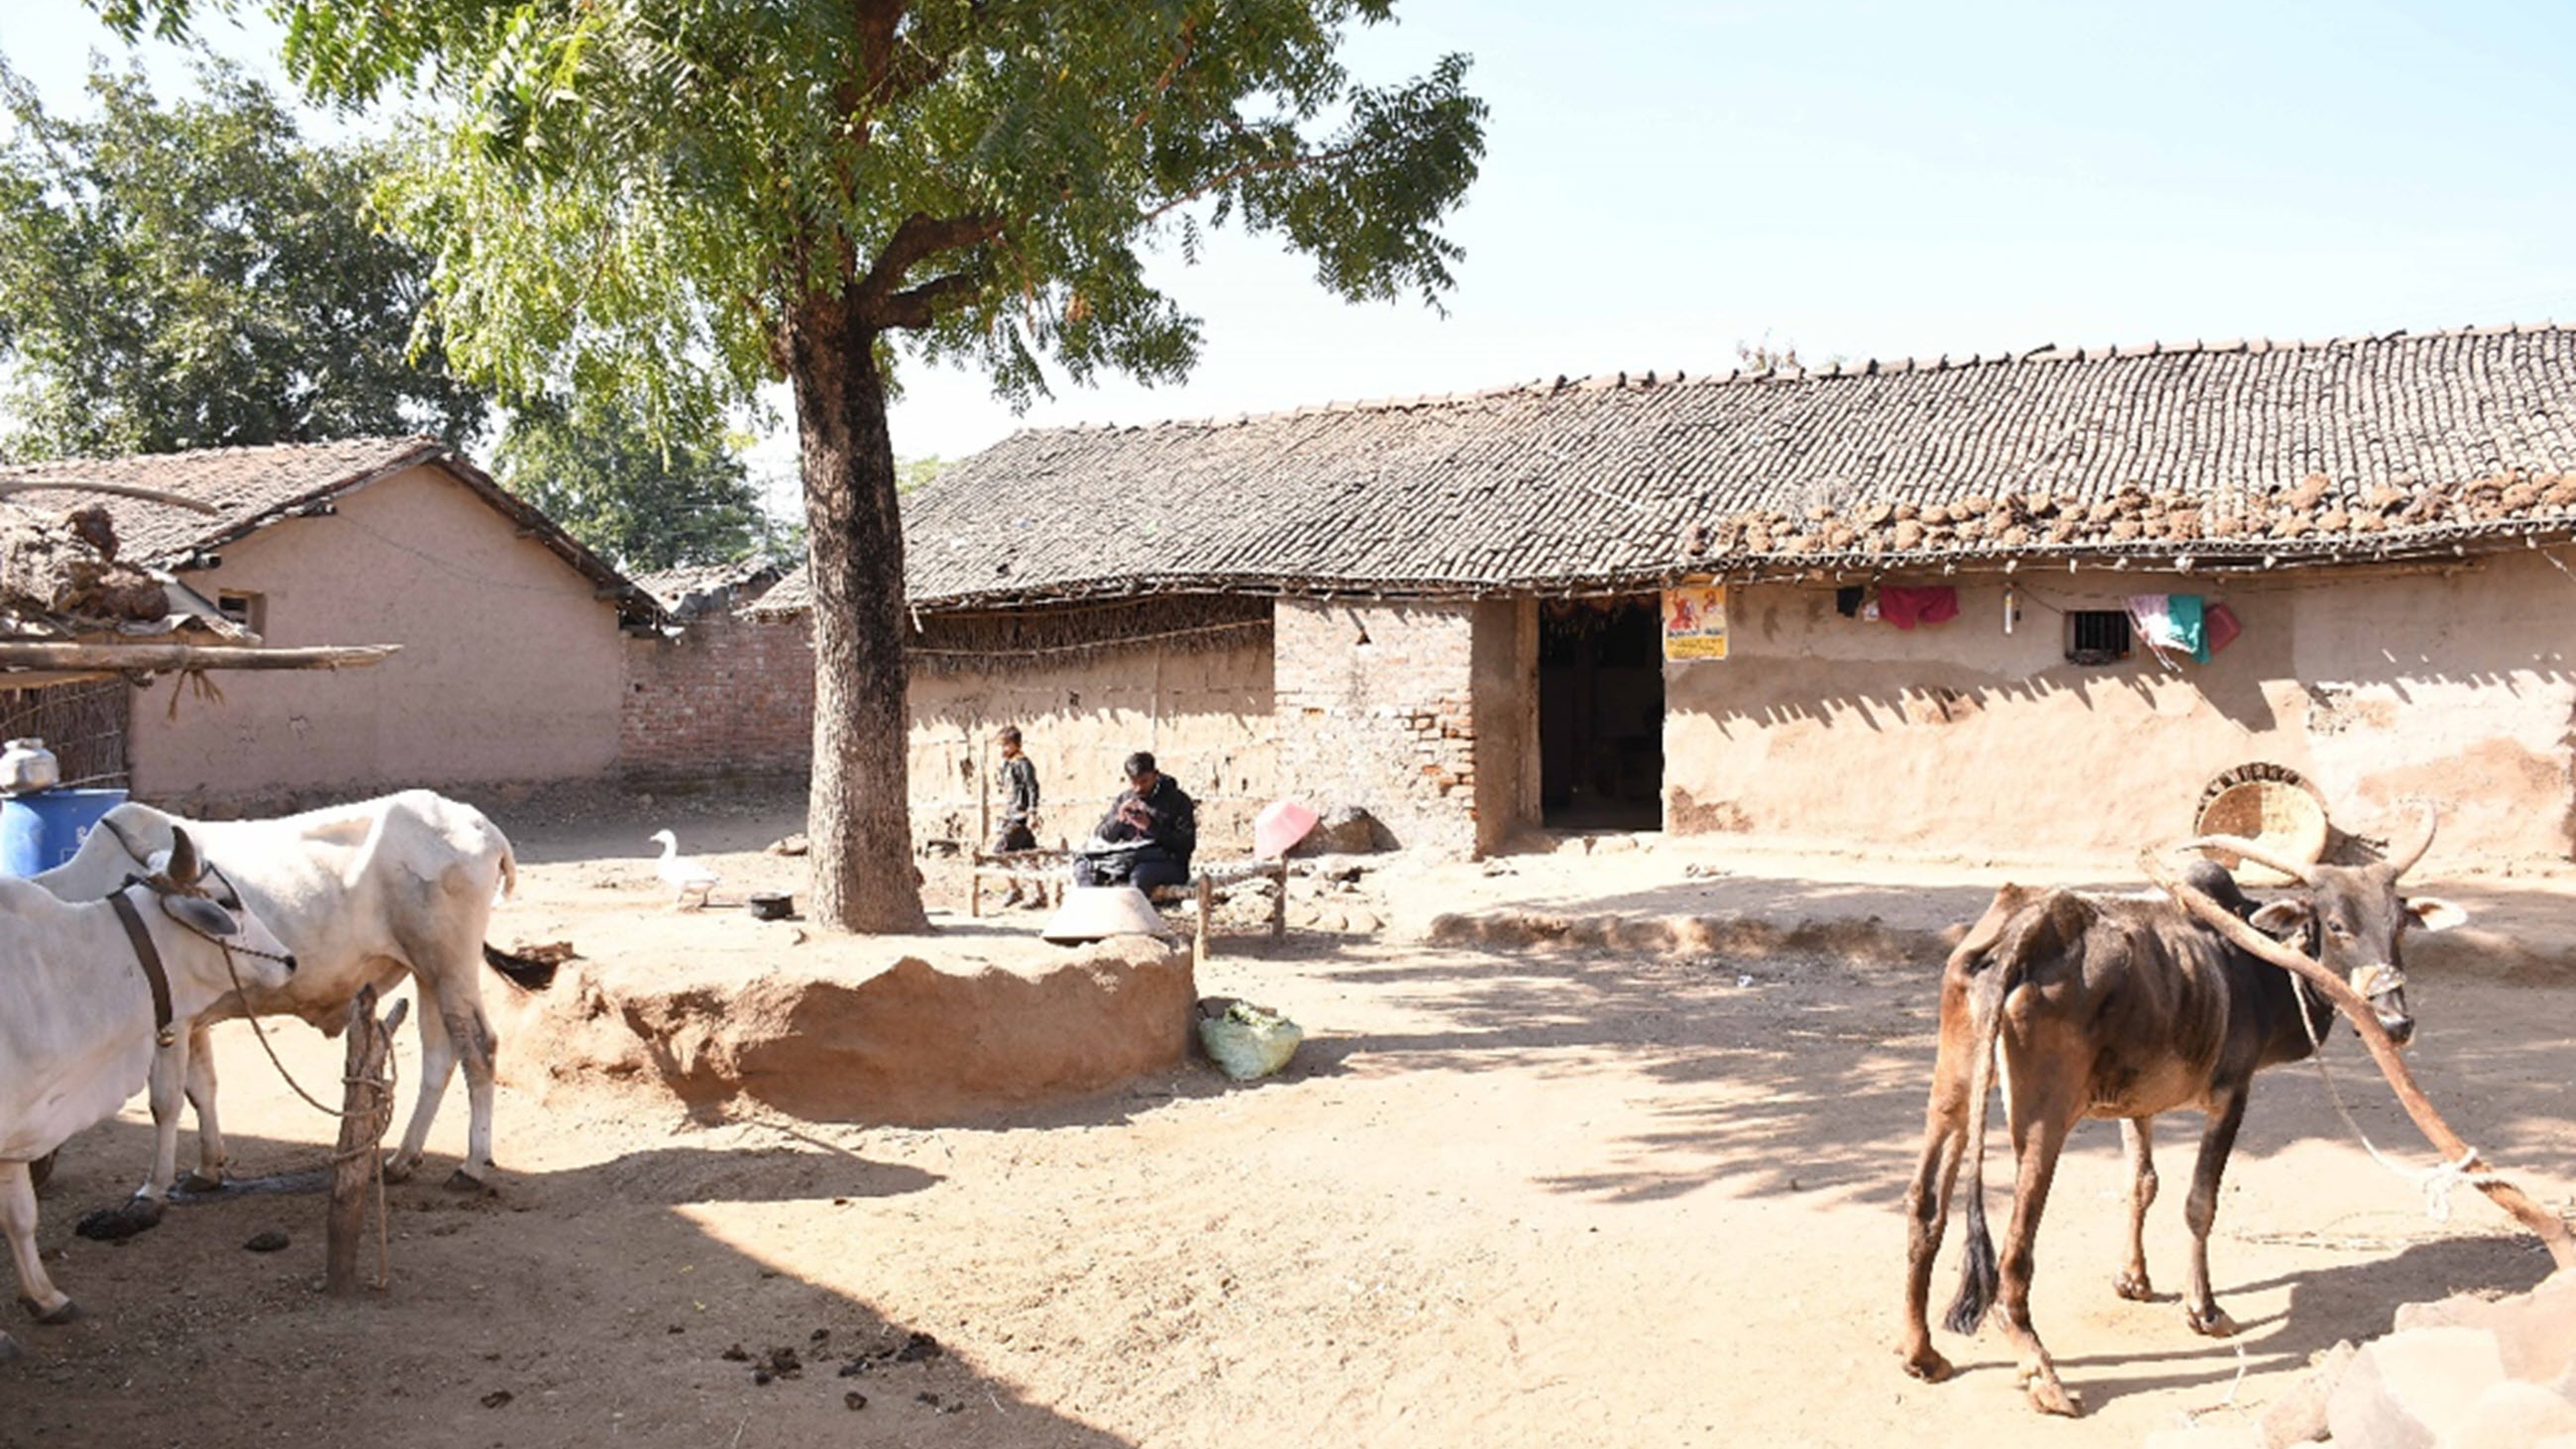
[520, 971]
[1977, 1270]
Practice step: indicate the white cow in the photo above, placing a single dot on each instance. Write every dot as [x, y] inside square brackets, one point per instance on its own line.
[81, 1018]
[362, 894]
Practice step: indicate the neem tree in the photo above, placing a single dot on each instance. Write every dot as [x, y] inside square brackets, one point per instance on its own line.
[676, 198]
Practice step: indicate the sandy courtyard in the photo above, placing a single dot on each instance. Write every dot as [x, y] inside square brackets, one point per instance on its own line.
[1504, 1196]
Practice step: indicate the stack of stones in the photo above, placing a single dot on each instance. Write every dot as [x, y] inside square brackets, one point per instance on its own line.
[2471, 1372]
[2318, 510]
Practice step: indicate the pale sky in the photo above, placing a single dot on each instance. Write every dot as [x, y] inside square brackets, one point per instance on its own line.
[1666, 180]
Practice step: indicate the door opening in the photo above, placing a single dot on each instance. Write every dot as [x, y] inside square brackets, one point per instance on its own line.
[1601, 714]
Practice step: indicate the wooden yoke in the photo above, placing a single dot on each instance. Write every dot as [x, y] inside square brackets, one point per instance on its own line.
[2548, 1226]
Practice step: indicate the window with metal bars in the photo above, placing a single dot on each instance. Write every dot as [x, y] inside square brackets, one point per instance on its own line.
[2097, 636]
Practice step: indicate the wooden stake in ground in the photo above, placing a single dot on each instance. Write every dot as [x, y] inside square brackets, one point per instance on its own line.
[2544, 1224]
[366, 1111]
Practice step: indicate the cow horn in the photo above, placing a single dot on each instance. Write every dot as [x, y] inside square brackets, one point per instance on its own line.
[2404, 856]
[2210, 914]
[2255, 851]
[182, 871]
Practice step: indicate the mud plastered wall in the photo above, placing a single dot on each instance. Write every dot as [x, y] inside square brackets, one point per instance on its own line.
[2446, 684]
[1205, 713]
[509, 668]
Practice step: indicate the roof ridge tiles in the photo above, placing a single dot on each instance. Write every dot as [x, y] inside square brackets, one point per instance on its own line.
[1835, 369]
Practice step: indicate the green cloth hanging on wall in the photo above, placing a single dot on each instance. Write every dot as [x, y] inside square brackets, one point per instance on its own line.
[2189, 625]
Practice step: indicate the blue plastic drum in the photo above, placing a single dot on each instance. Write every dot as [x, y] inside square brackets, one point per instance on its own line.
[41, 830]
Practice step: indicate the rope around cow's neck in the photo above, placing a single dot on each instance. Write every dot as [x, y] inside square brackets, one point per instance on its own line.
[382, 1091]
[2437, 1181]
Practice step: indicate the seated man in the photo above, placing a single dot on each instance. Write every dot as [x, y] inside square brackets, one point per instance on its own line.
[1147, 837]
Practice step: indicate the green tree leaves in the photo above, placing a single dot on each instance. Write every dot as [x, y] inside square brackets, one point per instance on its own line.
[671, 201]
[589, 464]
[196, 275]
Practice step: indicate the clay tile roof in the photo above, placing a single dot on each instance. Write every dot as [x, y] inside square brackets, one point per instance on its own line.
[254, 488]
[2346, 450]
[692, 589]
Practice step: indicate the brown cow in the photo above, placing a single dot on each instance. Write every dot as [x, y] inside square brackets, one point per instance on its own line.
[2127, 1008]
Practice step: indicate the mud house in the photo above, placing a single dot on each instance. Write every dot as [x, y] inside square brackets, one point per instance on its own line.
[2011, 604]
[512, 650]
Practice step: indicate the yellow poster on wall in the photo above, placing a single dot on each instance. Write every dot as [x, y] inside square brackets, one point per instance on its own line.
[1695, 622]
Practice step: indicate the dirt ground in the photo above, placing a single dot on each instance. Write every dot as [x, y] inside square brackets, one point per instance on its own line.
[1505, 1195]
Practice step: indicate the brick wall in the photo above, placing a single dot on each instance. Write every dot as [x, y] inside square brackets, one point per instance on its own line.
[731, 695]
[1376, 708]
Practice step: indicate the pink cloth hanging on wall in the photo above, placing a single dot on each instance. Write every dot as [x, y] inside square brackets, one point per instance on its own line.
[2220, 628]
[1906, 608]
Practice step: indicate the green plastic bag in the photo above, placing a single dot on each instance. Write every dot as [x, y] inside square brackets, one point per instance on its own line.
[1248, 1041]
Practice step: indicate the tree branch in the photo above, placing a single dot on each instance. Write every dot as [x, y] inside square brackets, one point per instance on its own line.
[2545, 1224]
[1297, 162]
[1172, 72]
[917, 240]
[918, 307]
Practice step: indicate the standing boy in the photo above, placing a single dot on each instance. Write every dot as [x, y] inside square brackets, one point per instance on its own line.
[1020, 809]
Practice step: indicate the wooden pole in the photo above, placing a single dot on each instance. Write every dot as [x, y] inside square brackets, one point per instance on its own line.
[1206, 892]
[366, 1111]
[118, 490]
[2546, 1225]
[135, 658]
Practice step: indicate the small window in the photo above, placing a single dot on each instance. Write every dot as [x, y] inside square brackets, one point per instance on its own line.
[2097, 636]
[248, 610]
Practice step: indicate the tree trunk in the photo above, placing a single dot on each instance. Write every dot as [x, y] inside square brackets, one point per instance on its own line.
[859, 817]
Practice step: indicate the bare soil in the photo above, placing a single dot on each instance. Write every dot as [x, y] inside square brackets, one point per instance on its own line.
[1507, 1194]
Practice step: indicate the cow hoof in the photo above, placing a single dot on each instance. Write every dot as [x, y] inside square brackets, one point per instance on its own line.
[2134, 1287]
[461, 1181]
[397, 1170]
[67, 1311]
[111, 1225]
[2039, 1380]
[1928, 1365]
[10, 1349]
[199, 1183]
[2213, 1324]
[2051, 1397]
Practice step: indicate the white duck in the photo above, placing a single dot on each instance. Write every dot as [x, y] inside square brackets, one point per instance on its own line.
[686, 877]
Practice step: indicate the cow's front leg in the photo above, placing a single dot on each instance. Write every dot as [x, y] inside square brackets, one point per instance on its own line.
[168, 1087]
[2200, 1210]
[209, 1175]
[2137, 1136]
[18, 1223]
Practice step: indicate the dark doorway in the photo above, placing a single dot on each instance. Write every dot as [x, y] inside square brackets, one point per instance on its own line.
[1601, 714]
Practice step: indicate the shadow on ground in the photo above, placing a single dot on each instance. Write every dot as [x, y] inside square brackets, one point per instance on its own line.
[484, 1338]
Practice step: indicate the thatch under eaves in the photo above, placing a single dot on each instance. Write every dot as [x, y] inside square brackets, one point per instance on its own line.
[2207, 456]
